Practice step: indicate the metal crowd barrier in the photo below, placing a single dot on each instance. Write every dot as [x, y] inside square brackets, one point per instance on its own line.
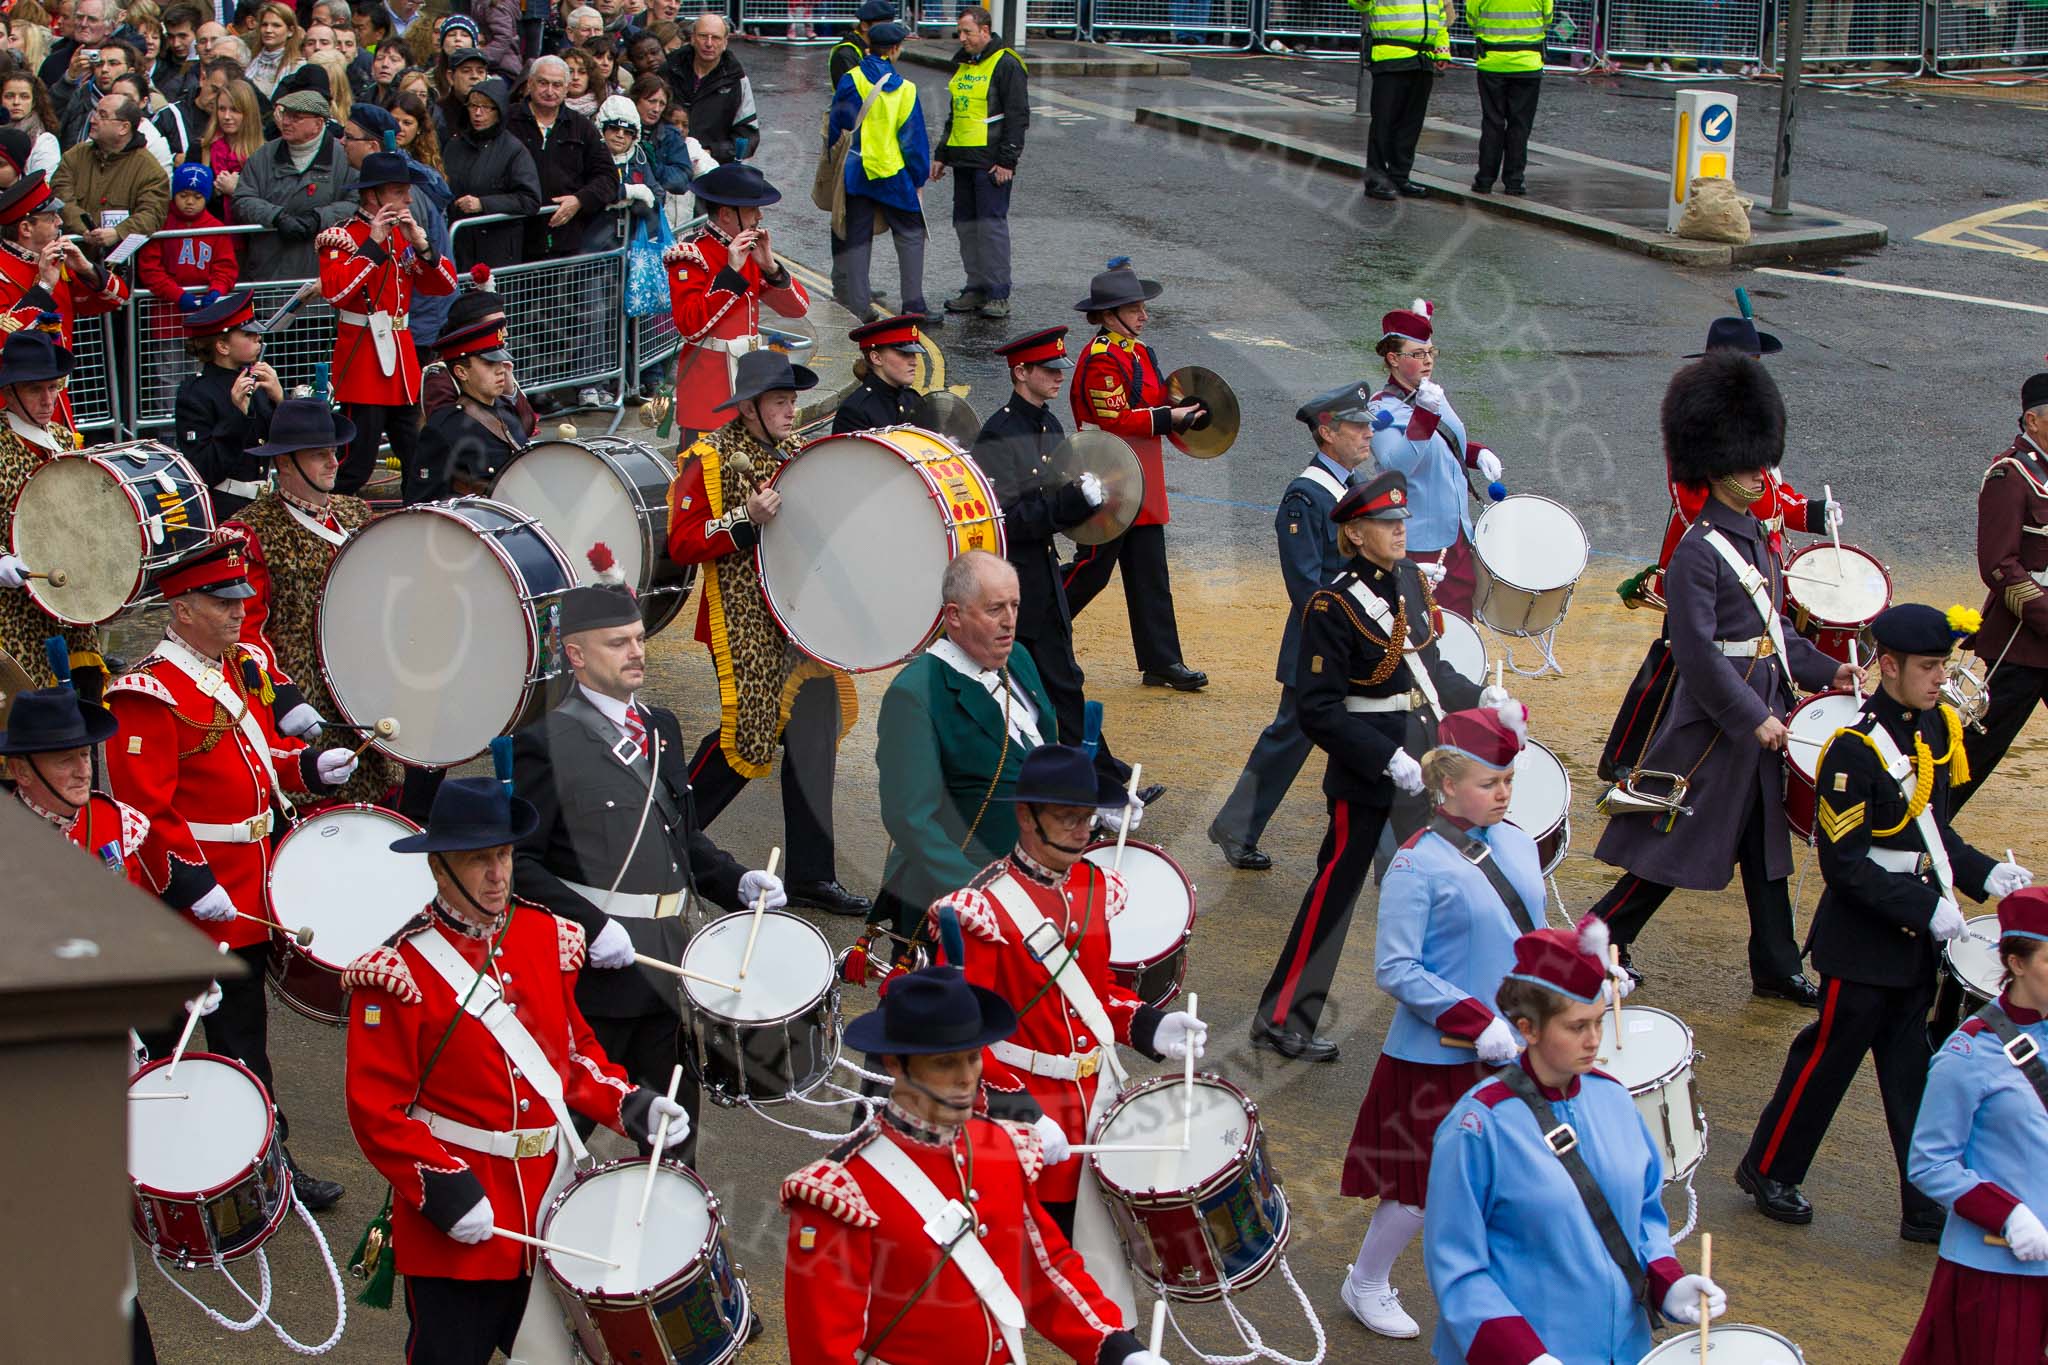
[1862, 32]
[94, 403]
[2012, 34]
[1711, 31]
[1224, 25]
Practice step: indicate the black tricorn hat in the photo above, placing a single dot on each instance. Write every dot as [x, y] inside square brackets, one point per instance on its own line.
[1722, 415]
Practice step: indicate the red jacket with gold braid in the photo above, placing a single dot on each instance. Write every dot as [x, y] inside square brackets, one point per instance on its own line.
[858, 1253]
[399, 1010]
[1118, 387]
[358, 278]
[1081, 904]
[181, 758]
[714, 305]
[106, 828]
[1782, 507]
[76, 296]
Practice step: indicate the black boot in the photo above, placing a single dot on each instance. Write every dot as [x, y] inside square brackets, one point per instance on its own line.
[316, 1194]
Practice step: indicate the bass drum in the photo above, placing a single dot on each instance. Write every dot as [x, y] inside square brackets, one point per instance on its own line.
[1463, 648]
[1541, 803]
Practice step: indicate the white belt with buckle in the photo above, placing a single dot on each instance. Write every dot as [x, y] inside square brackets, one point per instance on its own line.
[253, 830]
[733, 345]
[241, 488]
[1078, 1067]
[1757, 648]
[1906, 860]
[632, 905]
[399, 321]
[517, 1143]
[1406, 701]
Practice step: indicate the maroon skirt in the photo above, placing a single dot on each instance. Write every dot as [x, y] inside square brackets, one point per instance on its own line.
[1397, 1122]
[1460, 582]
[1981, 1317]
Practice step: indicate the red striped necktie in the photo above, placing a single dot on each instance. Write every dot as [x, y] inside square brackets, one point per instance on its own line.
[636, 730]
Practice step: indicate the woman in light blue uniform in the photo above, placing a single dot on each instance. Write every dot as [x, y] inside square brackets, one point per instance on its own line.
[1521, 1271]
[1978, 1149]
[1445, 940]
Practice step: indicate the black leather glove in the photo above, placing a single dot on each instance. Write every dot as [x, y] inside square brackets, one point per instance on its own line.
[1201, 420]
[296, 225]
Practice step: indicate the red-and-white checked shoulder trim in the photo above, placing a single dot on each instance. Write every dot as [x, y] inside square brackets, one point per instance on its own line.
[144, 682]
[383, 968]
[829, 1187]
[1116, 894]
[977, 915]
[569, 943]
[1030, 1147]
[335, 239]
[134, 829]
[256, 652]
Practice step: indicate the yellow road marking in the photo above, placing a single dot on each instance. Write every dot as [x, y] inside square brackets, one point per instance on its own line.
[1976, 233]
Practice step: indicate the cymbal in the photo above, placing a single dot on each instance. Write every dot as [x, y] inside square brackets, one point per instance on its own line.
[951, 416]
[1109, 458]
[1220, 432]
[14, 680]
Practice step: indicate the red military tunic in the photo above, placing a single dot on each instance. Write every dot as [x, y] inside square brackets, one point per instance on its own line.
[360, 278]
[1781, 507]
[399, 1009]
[105, 827]
[182, 760]
[1118, 387]
[75, 297]
[1082, 904]
[718, 316]
[2012, 547]
[858, 1253]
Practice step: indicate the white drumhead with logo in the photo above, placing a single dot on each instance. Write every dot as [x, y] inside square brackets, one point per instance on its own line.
[792, 967]
[335, 873]
[1809, 728]
[194, 1145]
[597, 1214]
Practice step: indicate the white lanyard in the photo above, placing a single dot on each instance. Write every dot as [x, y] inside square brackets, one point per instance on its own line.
[318, 528]
[1903, 772]
[1759, 590]
[1418, 672]
[1324, 479]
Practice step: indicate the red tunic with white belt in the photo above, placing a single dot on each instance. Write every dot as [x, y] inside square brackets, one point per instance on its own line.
[1081, 904]
[187, 762]
[359, 278]
[1781, 508]
[717, 310]
[1118, 387]
[858, 1254]
[103, 827]
[23, 298]
[400, 1008]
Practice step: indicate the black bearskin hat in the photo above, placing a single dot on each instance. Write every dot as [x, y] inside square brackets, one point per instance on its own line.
[1722, 415]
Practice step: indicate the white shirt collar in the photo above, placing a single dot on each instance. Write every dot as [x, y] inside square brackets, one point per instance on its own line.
[611, 708]
[30, 432]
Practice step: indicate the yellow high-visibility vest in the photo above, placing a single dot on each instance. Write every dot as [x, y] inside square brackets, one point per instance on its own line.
[969, 89]
[1407, 28]
[1509, 33]
[881, 154]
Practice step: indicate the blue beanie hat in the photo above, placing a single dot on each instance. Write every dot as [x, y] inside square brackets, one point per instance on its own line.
[191, 175]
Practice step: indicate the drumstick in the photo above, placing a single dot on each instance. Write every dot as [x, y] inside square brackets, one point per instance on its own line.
[1706, 1273]
[158, 1095]
[1448, 1041]
[760, 909]
[1158, 1326]
[1123, 830]
[57, 577]
[1084, 1148]
[673, 970]
[1187, 1081]
[1855, 661]
[191, 1022]
[1614, 991]
[555, 1247]
[1827, 491]
[386, 728]
[303, 936]
[675, 1078]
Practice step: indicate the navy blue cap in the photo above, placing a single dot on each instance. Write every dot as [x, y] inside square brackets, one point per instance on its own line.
[471, 813]
[874, 11]
[1346, 403]
[1737, 334]
[930, 1011]
[736, 185]
[1913, 628]
[887, 34]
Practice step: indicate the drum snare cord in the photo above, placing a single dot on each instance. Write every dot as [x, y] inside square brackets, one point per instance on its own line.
[262, 1306]
[1250, 1334]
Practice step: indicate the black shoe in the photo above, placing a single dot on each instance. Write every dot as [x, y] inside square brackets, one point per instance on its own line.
[1924, 1230]
[1151, 792]
[1519, 191]
[1378, 191]
[755, 1327]
[1628, 964]
[931, 322]
[830, 897]
[966, 301]
[1410, 190]
[1179, 677]
[1482, 186]
[316, 1195]
[1244, 857]
[1774, 1198]
[1795, 988]
[1299, 1047]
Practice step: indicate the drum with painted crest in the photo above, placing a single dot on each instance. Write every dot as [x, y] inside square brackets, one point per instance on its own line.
[1528, 554]
[779, 1035]
[1541, 803]
[1463, 648]
[443, 617]
[676, 1295]
[1807, 732]
[1654, 1060]
[1834, 593]
[1972, 961]
[1148, 942]
[207, 1167]
[604, 490]
[335, 874]
[1732, 1343]
[852, 563]
[109, 519]
[1200, 1223]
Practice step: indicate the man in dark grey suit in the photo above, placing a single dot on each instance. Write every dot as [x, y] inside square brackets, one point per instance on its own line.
[1310, 556]
[617, 848]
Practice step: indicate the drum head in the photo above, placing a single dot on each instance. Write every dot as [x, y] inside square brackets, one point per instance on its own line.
[1844, 587]
[1543, 791]
[792, 967]
[1159, 907]
[422, 622]
[193, 1145]
[1463, 647]
[1813, 724]
[1973, 960]
[1530, 542]
[1654, 1043]
[851, 565]
[1151, 1115]
[1727, 1344]
[581, 501]
[73, 514]
[335, 873]
[596, 1214]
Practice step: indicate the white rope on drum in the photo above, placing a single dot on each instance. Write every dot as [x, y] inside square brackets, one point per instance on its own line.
[1692, 1198]
[755, 1109]
[1249, 1334]
[262, 1306]
[857, 1069]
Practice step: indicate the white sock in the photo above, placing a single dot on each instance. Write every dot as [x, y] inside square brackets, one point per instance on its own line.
[1393, 1227]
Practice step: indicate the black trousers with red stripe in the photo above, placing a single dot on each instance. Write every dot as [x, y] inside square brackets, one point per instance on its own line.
[1148, 591]
[462, 1322]
[1889, 1023]
[1300, 984]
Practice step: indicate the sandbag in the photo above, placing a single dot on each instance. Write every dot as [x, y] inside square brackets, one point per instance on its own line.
[1714, 212]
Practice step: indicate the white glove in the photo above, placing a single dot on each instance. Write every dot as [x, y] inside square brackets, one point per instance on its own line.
[678, 1121]
[1435, 573]
[1491, 697]
[1126, 818]
[1091, 488]
[1546, 1359]
[2007, 878]
[612, 947]
[1682, 1303]
[214, 906]
[13, 572]
[1429, 396]
[1489, 464]
[1620, 980]
[1145, 1358]
[475, 1226]
[1831, 517]
[1178, 1032]
[756, 884]
[1499, 1044]
[640, 194]
[2025, 1235]
[1406, 772]
[210, 1001]
[300, 721]
[336, 766]
[1947, 922]
[1053, 1138]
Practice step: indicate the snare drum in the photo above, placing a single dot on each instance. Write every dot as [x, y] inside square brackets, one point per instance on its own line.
[111, 518]
[1655, 1062]
[1541, 803]
[1732, 1344]
[335, 873]
[1807, 731]
[851, 565]
[1834, 593]
[1463, 647]
[1528, 554]
[1201, 1223]
[779, 1037]
[443, 616]
[1972, 961]
[677, 1295]
[208, 1170]
[1148, 941]
[611, 490]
